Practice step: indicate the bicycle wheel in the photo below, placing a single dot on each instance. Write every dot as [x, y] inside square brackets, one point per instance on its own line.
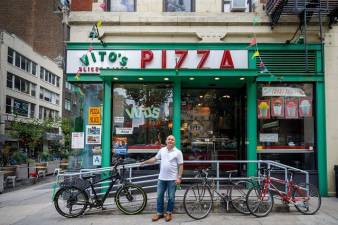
[309, 202]
[238, 193]
[70, 202]
[197, 201]
[259, 202]
[131, 199]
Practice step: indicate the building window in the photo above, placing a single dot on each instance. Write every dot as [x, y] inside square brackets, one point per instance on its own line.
[34, 66]
[32, 110]
[145, 112]
[67, 105]
[20, 107]
[17, 59]
[8, 105]
[10, 57]
[286, 124]
[178, 5]
[122, 6]
[20, 84]
[10, 80]
[33, 90]
[49, 96]
[68, 85]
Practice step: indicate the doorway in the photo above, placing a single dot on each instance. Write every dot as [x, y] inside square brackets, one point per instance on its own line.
[213, 126]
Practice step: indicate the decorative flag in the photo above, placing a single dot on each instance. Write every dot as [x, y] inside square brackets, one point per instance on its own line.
[90, 48]
[103, 6]
[77, 76]
[256, 20]
[261, 64]
[253, 41]
[99, 23]
[256, 54]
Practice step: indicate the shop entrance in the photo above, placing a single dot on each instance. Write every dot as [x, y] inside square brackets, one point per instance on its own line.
[213, 126]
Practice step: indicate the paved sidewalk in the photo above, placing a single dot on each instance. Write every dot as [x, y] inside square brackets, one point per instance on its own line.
[33, 206]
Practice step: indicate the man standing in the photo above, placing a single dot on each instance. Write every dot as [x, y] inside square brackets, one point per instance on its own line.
[171, 170]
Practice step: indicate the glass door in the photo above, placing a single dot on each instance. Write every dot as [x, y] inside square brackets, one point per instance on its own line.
[212, 126]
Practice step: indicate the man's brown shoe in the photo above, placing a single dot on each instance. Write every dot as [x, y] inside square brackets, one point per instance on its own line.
[156, 217]
[168, 217]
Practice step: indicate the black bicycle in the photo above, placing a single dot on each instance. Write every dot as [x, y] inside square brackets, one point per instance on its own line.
[198, 198]
[73, 198]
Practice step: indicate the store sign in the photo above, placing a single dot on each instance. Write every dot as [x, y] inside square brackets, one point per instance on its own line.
[94, 116]
[268, 137]
[141, 112]
[83, 61]
[124, 130]
[283, 91]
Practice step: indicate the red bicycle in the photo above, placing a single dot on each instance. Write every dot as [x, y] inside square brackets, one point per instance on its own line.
[305, 197]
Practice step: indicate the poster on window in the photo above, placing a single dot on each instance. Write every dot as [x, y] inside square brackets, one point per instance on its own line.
[263, 109]
[305, 107]
[291, 108]
[77, 140]
[93, 134]
[120, 146]
[277, 107]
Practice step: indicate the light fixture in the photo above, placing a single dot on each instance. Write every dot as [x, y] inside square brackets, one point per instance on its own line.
[199, 104]
[166, 78]
[242, 78]
[191, 78]
[115, 78]
[201, 96]
[216, 78]
[140, 78]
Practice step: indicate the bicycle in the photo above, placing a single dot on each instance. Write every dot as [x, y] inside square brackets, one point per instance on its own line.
[73, 198]
[198, 198]
[305, 197]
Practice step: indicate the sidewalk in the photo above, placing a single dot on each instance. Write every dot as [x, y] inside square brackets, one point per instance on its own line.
[33, 206]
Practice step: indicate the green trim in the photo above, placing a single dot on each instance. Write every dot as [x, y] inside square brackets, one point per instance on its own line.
[71, 77]
[177, 112]
[211, 46]
[251, 120]
[321, 135]
[293, 78]
[319, 61]
[106, 125]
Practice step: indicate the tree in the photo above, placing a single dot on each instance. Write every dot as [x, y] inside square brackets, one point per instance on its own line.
[66, 128]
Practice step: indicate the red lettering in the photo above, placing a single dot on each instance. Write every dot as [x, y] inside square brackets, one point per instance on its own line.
[205, 55]
[183, 54]
[146, 57]
[164, 59]
[80, 70]
[226, 62]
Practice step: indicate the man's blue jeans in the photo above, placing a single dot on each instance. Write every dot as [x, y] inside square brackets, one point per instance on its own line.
[162, 187]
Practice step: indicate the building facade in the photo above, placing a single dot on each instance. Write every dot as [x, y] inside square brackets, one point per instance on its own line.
[213, 73]
[31, 84]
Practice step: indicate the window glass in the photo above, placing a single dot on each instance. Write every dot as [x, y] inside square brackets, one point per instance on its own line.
[42, 72]
[286, 123]
[34, 65]
[17, 82]
[9, 80]
[178, 5]
[142, 118]
[122, 5]
[67, 104]
[17, 59]
[32, 110]
[8, 105]
[10, 56]
[33, 90]
[20, 108]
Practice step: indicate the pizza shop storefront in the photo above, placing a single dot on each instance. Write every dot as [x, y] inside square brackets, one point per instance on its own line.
[220, 101]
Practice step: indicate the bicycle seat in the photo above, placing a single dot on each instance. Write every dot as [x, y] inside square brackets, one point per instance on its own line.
[87, 176]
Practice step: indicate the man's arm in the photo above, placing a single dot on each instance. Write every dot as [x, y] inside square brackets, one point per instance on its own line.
[179, 175]
[149, 161]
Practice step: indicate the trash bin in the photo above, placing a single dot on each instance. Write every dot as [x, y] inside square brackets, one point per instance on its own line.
[336, 176]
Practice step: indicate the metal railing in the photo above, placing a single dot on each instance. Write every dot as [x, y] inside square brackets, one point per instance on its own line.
[144, 180]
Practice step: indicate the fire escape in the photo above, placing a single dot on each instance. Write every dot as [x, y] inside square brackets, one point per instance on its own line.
[312, 14]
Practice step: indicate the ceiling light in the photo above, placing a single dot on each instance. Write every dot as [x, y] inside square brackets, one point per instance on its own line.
[216, 78]
[166, 78]
[140, 78]
[191, 78]
[115, 78]
[242, 78]
[201, 96]
[199, 104]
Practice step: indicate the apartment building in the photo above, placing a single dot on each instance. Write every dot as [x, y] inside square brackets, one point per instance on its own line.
[31, 85]
[231, 79]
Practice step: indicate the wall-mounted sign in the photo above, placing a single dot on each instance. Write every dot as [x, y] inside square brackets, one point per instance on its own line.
[121, 146]
[124, 130]
[263, 109]
[291, 108]
[277, 107]
[118, 119]
[268, 137]
[90, 62]
[283, 91]
[77, 140]
[97, 160]
[305, 107]
[94, 115]
[93, 134]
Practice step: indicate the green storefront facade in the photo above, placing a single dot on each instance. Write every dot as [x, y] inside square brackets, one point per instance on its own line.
[238, 87]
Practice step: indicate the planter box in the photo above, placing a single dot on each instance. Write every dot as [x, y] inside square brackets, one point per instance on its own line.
[52, 165]
[21, 172]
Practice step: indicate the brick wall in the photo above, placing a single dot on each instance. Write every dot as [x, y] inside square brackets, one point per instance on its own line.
[81, 5]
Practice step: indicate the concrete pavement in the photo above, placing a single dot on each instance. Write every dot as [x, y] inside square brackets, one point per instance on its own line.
[32, 205]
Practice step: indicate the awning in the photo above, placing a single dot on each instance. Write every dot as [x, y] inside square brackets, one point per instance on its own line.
[5, 138]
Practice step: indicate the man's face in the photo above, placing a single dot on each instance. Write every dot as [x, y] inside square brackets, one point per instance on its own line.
[170, 141]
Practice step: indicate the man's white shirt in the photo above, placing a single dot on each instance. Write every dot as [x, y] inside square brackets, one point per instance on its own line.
[170, 161]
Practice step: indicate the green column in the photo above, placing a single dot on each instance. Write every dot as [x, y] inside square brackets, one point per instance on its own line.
[177, 112]
[251, 120]
[321, 135]
[106, 124]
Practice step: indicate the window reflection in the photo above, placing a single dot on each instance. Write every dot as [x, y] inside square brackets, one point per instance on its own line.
[122, 5]
[178, 5]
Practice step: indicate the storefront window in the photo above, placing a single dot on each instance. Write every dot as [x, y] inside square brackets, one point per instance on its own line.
[142, 118]
[286, 123]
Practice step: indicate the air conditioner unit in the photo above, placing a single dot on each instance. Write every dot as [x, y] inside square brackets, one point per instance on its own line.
[238, 5]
